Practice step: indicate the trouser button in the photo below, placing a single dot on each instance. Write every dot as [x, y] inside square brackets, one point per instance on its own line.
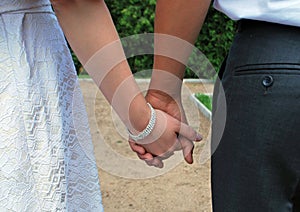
[267, 81]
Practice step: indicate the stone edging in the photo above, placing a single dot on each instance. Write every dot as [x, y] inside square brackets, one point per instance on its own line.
[148, 80]
[206, 112]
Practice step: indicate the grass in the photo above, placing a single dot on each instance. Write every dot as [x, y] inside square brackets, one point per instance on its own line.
[83, 76]
[205, 100]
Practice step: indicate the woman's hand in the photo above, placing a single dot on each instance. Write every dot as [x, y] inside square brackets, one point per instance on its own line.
[184, 140]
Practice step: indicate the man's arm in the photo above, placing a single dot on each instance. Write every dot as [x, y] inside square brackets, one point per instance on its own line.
[182, 19]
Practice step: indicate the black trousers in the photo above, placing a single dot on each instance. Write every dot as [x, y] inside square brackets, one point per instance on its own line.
[256, 166]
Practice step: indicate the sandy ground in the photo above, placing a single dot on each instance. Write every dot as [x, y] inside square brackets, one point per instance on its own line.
[127, 184]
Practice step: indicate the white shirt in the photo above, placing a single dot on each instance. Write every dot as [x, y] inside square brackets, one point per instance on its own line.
[277, 11]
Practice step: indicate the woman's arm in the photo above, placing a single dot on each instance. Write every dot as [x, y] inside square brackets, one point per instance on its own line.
[90, 31]
[88, 26]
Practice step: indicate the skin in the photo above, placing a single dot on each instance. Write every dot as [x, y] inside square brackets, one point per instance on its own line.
[96, 31]
[184, 20]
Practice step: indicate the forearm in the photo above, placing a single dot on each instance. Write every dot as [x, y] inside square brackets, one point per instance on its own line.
[182, 19]
[88, 26]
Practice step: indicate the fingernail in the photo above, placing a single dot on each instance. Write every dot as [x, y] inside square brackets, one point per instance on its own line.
[160, 166]
[199, 137]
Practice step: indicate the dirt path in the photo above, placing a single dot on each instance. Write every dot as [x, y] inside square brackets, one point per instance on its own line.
[177, 188]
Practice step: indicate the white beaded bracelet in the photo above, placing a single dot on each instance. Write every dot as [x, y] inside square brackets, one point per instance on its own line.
[149, 127]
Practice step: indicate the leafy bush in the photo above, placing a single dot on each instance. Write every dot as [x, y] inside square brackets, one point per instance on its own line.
[216, 37]
[136, 17]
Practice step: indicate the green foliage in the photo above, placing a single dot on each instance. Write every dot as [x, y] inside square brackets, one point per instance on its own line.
[134, 17]
[205, 100]
[77, 64]
[216, 37]
[137, 17]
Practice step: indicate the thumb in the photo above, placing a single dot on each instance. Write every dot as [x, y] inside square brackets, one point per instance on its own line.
[188, 132]
[187, 149]
[136, 148]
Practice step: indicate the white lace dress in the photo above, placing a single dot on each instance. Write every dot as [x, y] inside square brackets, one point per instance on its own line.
[46, 154]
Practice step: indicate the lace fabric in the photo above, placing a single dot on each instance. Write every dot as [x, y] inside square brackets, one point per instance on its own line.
[46, 153]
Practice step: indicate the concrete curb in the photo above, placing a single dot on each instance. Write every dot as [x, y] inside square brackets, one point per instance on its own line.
[205, 81]
[199, 105]
[206, 112]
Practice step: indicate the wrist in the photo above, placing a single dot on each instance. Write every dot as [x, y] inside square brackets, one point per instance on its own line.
[165, 84]
[139, 116]
[148, 129]
[160, 99]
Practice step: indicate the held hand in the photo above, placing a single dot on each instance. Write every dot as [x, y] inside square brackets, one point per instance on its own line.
[174, 108]
[163, 140]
